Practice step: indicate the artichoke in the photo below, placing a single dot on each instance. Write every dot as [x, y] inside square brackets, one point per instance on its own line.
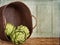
[9, 28]
[25, 29]
[18, 37]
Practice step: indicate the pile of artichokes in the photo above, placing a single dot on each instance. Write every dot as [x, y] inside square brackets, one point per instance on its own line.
[18, 34]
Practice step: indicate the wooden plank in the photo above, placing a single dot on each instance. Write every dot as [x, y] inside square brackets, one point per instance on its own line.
[36, 41]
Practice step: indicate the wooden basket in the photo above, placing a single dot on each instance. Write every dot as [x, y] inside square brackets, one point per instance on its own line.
[16, 13]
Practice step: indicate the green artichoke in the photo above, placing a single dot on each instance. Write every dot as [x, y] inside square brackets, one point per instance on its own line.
[9, 28]
[25, 29]
[18, 37]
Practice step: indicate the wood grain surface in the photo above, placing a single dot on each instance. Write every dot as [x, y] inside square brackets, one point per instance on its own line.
[36, 41]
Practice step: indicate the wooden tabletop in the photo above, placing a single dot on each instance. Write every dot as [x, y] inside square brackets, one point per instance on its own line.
[36, 41]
